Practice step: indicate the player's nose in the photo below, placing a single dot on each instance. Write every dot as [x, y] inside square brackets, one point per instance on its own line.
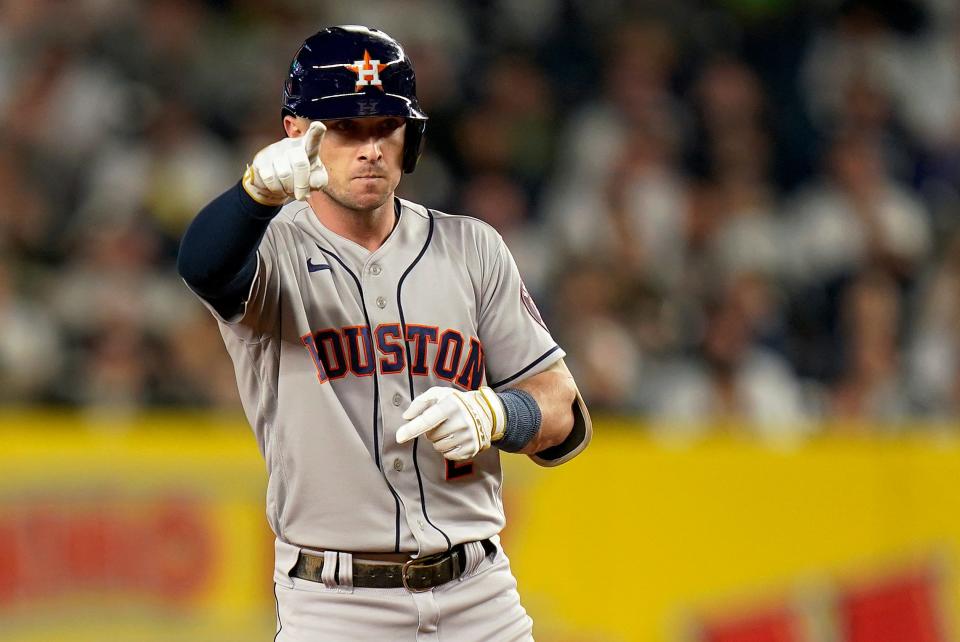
[371, 150]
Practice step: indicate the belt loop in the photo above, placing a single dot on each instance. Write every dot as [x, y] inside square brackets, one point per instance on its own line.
[345, 573]
[329, 573]
[474, 553]
[459, 564]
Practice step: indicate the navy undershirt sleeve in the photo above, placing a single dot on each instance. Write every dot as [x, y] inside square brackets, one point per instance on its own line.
[218, 252]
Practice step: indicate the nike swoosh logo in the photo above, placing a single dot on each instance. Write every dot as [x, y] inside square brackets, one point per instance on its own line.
[312, 267]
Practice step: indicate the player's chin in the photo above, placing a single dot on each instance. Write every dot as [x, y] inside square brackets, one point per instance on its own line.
[370, 195]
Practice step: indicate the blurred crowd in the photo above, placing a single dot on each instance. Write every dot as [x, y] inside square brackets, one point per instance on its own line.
[733, 213]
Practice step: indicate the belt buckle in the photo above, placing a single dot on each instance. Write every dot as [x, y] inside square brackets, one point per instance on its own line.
[403, 575]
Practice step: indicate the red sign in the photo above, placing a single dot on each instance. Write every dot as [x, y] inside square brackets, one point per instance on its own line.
[159, 549]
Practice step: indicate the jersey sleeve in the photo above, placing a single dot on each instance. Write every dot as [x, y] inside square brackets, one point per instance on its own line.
[259, 310]
[516, 342]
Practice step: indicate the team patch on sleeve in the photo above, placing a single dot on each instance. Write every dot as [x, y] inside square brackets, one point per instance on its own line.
[530, 305]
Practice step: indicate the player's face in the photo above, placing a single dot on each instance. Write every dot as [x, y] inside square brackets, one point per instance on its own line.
[363, 157]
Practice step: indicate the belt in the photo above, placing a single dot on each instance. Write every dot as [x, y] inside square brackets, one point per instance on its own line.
[415, 575]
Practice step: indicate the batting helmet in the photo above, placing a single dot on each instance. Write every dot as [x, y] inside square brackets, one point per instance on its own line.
[352, 72]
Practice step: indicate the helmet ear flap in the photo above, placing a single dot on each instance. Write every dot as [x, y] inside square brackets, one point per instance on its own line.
[413, 143]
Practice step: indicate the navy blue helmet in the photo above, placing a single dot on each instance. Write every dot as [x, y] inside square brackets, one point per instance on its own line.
[351, 72]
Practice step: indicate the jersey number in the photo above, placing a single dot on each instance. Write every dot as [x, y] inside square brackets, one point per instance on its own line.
[458, 469]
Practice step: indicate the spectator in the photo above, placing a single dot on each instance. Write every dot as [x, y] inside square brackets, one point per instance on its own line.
[855, 216]
[195, 370]
[31, 345]
[501, 202]
[602, 350]
[934, 349]
[870, 392]
[731, 382]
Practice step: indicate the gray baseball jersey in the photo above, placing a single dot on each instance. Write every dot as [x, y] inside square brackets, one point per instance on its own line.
[334, 343]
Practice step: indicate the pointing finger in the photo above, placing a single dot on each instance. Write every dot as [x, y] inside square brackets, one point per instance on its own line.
[418, 406]
[301, 173]
[284, 172]
[444, 431]
[424, 401]
[312, 140]
[429, 420]
[412, 430]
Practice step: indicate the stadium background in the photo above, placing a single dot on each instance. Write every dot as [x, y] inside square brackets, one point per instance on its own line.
[739, 218]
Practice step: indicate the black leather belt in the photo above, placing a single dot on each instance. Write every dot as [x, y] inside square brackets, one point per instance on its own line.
[415, 575]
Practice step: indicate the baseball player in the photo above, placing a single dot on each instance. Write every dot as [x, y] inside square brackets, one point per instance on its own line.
[386, 354]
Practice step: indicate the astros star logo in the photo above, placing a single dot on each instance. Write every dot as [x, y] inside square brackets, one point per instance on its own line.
[368, 72]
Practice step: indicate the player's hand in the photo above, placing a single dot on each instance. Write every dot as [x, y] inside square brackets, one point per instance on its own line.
[460, 424]
[288, 168]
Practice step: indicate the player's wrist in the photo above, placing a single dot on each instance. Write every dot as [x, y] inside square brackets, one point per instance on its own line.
[259, 194]
[521, 422]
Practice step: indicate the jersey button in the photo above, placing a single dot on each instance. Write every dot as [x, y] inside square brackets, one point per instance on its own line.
[381, 302]
[375, 269]
[397, 465]
[397, 400]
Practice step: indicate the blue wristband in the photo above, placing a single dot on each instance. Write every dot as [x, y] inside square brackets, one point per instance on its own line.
[523, 419]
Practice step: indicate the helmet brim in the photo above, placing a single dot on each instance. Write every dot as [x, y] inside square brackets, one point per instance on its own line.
[359, 105]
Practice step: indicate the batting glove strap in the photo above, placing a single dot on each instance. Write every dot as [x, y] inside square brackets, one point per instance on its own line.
[253, 186]
[523, 419]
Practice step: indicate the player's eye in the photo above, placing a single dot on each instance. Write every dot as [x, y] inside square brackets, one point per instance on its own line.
[390, 125]
[344, 126]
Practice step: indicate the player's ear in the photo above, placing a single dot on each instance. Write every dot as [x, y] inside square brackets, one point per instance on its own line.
[295, 126]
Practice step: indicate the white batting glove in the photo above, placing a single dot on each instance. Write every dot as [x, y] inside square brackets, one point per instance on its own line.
[460, 424]
[288, 168]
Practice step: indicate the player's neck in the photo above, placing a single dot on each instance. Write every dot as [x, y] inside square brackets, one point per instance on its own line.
[366, 228]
